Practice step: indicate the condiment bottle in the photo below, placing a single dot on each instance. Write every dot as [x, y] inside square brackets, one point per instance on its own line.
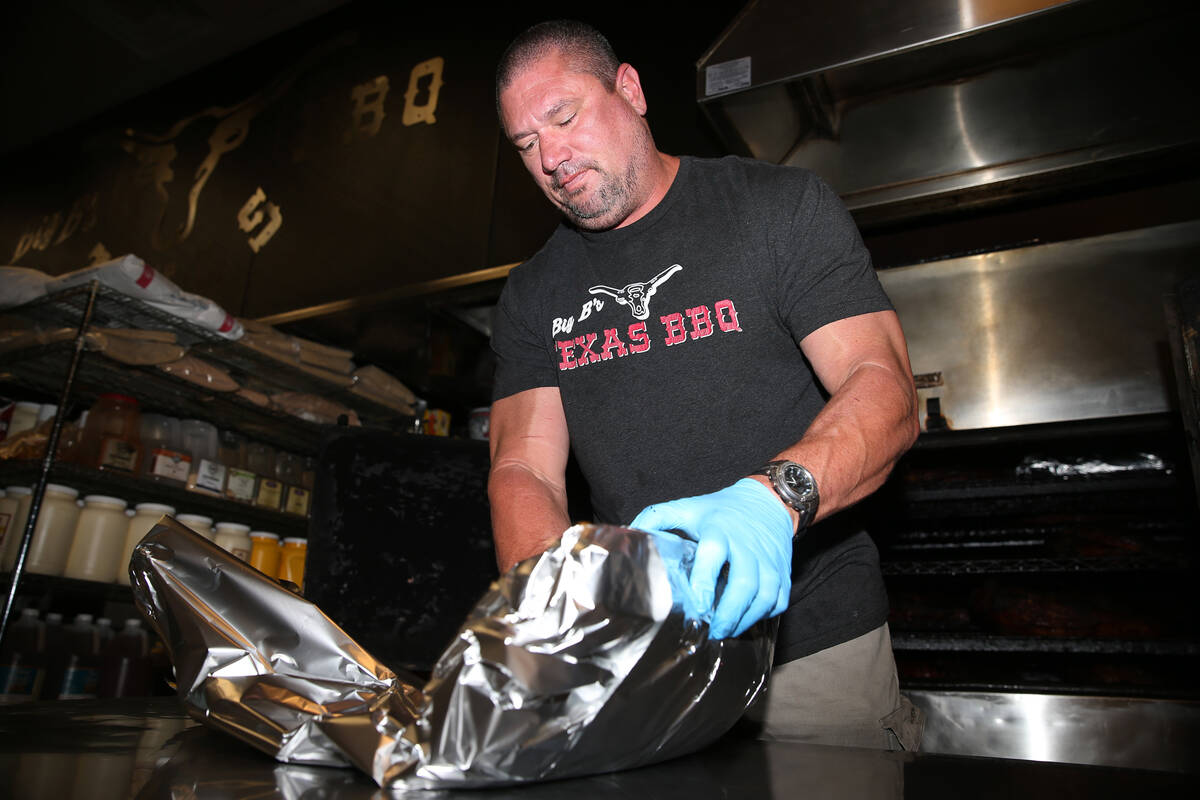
[234, 537]
[22, 665]
[208, 473]
[55, 529]
[241, 481]
[145, 517]
[16, 526]
[289, 471]
[197, 523]
[291, 560]
[81, 675]
[99, 538]
[265, 552]
[166, 458]
[111, 437]
[260, 459]
[54, 654]
[125, 664]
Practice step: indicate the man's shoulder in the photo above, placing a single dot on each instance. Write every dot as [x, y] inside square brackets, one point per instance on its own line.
[751, 171]
[558, 246]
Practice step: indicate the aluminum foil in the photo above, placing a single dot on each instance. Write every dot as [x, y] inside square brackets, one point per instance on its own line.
[575, 662]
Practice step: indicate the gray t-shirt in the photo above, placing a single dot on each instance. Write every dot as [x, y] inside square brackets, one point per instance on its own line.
[674, 344]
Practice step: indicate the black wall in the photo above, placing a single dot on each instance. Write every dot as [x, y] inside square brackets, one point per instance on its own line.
[363, 203]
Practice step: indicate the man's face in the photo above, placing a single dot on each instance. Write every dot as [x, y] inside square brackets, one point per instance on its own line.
[588, 148]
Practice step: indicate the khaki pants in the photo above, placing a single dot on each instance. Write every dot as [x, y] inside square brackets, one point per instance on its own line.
[847, 695]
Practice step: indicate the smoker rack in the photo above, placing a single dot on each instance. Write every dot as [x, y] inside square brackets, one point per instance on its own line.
[1006, 581]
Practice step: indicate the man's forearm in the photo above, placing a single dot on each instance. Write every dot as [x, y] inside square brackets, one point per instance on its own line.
[862, 431]
[528, 512]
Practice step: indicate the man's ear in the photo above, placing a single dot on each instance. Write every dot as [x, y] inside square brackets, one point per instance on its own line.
[629, 86]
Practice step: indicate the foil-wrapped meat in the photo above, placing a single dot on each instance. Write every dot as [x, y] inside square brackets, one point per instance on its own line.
[576, 661]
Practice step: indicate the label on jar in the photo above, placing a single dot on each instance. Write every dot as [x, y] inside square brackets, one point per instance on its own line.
[171, 465]
[119, 454]
[79, 683]
[20, 682]
[298, 499]
[241, 485]
[241, 552]
[269, 493]
[210, 475]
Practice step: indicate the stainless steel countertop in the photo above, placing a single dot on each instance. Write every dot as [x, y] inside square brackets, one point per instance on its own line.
[148, 749]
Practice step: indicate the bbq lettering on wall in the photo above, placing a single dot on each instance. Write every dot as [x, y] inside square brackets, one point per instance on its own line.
[693, 324]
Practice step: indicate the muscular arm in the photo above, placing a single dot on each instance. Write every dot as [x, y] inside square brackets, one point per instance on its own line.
[527, 482]
[871, 417]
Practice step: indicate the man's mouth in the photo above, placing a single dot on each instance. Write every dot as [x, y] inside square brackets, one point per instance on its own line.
[566, 182]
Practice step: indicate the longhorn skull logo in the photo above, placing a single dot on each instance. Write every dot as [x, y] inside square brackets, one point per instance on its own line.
[637, 295]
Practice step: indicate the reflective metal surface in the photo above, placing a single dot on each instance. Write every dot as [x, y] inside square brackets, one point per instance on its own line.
[1066, 331]
[150, 750]
[1109, 731]
[912, 107]
[576, 661]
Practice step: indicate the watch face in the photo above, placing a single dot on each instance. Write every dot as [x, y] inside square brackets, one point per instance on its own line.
[797, 479]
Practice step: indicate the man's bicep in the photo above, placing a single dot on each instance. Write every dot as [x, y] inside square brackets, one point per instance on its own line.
[529, 429]
[839, 348]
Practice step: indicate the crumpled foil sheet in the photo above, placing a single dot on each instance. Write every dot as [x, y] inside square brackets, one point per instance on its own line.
[575, 662]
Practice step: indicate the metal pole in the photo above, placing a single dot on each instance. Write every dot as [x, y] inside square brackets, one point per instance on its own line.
[35, 505]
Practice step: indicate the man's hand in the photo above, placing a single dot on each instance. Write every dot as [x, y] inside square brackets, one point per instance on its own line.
[745, 526]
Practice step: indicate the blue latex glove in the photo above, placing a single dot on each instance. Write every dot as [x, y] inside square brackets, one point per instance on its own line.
[743, 525]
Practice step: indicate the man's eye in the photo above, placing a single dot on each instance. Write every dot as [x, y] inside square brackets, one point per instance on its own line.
[525, 148]
[566, 121]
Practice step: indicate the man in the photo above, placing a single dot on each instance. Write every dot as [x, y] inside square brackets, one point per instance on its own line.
[677, 333]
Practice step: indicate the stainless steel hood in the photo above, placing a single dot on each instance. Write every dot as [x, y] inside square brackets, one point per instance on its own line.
[911, 107]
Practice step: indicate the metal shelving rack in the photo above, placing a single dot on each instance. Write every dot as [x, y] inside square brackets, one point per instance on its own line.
[67, 369]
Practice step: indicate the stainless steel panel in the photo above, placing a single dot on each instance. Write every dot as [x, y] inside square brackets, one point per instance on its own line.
[790, 39]
[907, 108]
[1065, 331]
[1107, 731]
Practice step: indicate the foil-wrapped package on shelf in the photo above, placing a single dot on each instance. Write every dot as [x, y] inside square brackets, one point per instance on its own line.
[575, 662]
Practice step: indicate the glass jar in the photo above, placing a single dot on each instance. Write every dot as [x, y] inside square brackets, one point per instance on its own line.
[208, 473]
[55, 528]
[166, 459]
[10, 507]
[291, 560]
[260, 459]
[145, 516]
[264, 552]
[16, 526]
[241, 481]
[197, 523]
[99, 536]
[24, 418]
[111, 437]
[235, 538]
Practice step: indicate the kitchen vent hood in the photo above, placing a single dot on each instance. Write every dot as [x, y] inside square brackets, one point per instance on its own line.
[906, 108]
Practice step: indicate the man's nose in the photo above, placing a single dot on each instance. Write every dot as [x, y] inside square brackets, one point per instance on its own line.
[554, 151]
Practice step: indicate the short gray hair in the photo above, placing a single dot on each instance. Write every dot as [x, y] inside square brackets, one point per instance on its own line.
[587, 50]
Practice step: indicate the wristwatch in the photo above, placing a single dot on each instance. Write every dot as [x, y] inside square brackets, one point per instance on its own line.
[795, 486]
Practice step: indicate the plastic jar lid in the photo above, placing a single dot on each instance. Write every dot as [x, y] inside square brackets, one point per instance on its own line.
[264, 535]
[103, 499]
[19, 490]
[296, 540]
[154, 508]
[186, 518]
[27, 405]
[236, 527]
[60, 489]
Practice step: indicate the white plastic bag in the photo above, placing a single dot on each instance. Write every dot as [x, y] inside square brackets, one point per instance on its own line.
[132, 276]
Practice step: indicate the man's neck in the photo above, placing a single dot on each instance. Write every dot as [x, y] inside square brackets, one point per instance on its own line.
[664, 169]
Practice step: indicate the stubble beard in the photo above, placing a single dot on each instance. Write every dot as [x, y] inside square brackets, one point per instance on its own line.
[612, 201]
